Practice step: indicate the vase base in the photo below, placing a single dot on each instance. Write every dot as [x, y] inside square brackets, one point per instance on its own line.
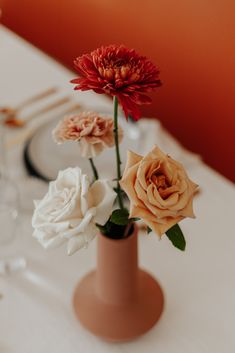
[119, 323]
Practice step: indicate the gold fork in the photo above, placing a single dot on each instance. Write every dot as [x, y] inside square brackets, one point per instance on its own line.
[19, 123]
[7, 113]
[24, 135]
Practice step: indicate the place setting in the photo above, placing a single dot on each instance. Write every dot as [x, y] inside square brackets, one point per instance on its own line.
[109, 240]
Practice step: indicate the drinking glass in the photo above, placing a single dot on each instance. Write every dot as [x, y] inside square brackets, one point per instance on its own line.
[10, 261]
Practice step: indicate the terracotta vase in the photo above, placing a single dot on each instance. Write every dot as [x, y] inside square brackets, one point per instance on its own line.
[118, 301]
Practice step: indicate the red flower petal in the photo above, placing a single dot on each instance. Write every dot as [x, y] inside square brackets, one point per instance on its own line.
[118, 71]
[129, 107]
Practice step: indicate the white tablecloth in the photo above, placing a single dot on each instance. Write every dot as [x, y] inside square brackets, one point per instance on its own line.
[35, 307]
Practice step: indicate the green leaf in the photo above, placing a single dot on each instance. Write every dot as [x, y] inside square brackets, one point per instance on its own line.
[176, 237]
[149, 230]
[105, 229]
[134, 219]
[114, 231]
[120, 217]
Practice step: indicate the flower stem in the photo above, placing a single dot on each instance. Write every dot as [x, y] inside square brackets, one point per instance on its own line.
[118, 159]
[93, 167]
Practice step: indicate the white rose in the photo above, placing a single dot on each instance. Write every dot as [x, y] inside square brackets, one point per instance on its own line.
[70, 210]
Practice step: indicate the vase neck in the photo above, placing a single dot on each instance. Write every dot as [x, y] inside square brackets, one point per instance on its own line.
[117, 269]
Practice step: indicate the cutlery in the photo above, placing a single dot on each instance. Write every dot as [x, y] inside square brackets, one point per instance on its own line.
[24, 135]
[19, 123]
[8, 112]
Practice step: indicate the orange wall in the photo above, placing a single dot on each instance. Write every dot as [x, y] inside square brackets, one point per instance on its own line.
[192, 41]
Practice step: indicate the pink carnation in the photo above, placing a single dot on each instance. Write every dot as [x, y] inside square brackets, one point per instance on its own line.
[92, 131]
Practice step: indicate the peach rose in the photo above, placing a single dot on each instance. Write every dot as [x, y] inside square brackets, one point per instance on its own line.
[93, 132]
[159, 190]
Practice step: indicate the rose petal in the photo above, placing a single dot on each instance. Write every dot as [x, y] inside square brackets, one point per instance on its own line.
[81, 227]
[132, 159]
[48, 243]
[81, 241]
[158, 212]
[69, 207]
[103, 199]
[127, 183]
[161, 228]
[159, 190]
[84, 193]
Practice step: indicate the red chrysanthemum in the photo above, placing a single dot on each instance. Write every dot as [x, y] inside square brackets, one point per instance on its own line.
[118, 71]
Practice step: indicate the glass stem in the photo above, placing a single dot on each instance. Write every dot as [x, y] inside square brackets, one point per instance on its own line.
[118, 159]
[94, 170]
[3, 164]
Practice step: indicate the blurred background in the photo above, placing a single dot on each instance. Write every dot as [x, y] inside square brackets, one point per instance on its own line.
[191, 41]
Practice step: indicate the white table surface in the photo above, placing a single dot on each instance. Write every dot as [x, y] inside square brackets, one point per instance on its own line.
[35, 307]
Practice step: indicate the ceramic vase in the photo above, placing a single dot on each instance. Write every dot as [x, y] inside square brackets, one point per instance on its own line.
[118, 301]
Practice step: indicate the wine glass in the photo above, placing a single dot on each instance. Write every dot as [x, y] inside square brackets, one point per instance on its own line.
[9, 220]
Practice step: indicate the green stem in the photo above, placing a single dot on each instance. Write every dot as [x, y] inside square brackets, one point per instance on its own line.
[118, 159]
[96, 176]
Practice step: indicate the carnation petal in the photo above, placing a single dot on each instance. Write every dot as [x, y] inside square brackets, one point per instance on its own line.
[89, 150]
[93, 132]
